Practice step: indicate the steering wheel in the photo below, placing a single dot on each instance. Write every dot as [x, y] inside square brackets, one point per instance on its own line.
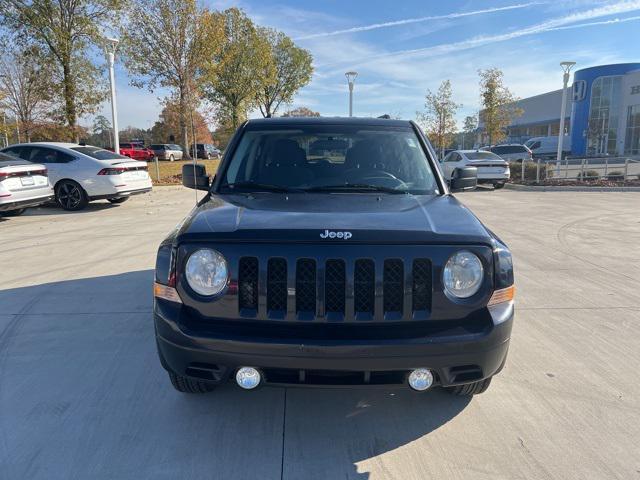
[384, 179]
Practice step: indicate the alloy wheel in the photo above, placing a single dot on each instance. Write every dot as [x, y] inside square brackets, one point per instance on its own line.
[69, 195]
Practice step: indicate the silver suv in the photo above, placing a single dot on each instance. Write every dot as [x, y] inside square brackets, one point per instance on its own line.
[512, 152]
[167, 151]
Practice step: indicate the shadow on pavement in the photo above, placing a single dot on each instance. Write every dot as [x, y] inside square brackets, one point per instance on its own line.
[82, 395]
[54, 209]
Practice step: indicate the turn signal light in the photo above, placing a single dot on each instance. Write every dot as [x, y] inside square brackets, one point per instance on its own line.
[166, 293]
[503, 295]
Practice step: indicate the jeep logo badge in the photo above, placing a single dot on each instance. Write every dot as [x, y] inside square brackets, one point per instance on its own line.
[331, 234]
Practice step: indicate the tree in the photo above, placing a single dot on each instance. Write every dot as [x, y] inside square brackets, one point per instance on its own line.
[439, 116]
[288, 70]
[65, 29]
[469, 127]
[301, 112]
[102, 131]
[241, 67]
[26, 87]
[167, 45]
[168, 124]
[498, 105]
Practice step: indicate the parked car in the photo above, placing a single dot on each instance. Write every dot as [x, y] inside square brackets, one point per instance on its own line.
[547, 147]
[22, 185]
[512, 152]
[358, 270]
[491, 168]
[167, 151]
[82, 173]
[206, 150]
[136, 151]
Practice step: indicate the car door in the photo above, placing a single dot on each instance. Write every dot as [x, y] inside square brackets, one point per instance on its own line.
[60, 164]
[450, 163]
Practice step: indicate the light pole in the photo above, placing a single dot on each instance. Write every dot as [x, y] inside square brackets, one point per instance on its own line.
[4, 127]
[111, 44]
[351, 78]
[566, 67]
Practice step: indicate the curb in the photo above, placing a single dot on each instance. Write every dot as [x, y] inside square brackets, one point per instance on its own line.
[568, 188]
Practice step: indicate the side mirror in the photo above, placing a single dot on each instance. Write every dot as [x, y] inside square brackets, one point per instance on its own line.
[198, 180]
[464, 178]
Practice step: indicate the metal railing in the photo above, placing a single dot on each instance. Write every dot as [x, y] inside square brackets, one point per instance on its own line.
[580, 169]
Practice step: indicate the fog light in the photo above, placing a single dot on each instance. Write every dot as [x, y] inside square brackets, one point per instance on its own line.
[420, 379]
[248, 378]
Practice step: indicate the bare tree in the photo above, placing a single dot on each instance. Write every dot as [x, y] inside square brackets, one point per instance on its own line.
[26, 88]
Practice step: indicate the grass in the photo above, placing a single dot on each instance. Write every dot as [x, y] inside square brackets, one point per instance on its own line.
[171, 172]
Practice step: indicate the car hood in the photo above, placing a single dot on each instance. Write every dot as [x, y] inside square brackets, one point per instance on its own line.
[369, 218]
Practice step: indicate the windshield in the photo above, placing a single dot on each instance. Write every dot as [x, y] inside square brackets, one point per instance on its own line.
[98, 153]
[482, 156]
[332, 157]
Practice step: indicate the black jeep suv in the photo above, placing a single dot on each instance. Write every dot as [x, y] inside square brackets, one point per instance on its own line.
[330, 251]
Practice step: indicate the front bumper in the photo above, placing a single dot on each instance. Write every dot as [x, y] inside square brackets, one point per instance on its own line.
[456, 357]
[26, 203]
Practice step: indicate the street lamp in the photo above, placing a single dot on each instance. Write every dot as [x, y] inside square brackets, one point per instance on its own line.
[566, 67]
[351, 78]
[4, 127]
[110, 46]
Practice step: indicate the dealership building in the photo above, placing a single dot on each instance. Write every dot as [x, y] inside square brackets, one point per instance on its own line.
[603, 112]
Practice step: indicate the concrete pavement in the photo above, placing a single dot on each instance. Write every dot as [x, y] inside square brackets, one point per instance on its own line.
[82, 394]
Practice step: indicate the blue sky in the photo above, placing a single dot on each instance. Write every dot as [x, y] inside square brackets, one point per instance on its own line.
[402, 48]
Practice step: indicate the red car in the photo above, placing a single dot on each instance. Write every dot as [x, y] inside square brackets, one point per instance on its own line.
[136, 152]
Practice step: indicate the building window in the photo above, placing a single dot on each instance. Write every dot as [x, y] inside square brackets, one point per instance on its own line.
[603, 117]
[632, 139]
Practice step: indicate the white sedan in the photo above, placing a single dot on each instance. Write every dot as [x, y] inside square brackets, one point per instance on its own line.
[491, 168]
[22, 185]
[82, 173]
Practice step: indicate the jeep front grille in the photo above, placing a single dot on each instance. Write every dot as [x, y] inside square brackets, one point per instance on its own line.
[248, 283]
[277, 285]
[336, 289]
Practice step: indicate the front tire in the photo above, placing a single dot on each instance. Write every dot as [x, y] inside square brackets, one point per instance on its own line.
[118, 200]
[470, 389]
[70, 196]
[13, 213]
[189, 385]
[171, 158]
[498, 186]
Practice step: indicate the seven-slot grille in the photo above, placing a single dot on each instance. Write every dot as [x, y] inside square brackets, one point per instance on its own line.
[329, 285]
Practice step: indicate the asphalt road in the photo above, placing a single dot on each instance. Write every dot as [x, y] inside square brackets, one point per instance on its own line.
[82, 394]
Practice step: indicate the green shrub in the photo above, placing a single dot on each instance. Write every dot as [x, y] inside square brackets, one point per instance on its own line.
[588, 175]
[615, 176]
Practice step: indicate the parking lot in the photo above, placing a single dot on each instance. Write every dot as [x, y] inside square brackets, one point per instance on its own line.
[82, 394]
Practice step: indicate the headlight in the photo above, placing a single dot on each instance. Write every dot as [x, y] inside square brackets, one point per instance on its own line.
[463, 274]
[206, 272]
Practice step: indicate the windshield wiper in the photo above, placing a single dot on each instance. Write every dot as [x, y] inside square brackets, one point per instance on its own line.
[356, 186]
[261, 186]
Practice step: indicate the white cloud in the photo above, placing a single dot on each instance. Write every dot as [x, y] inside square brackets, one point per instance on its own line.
[407, 21]
[549, 25]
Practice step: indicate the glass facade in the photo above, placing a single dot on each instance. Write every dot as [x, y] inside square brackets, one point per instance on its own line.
[602, 132]
[632, 137]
